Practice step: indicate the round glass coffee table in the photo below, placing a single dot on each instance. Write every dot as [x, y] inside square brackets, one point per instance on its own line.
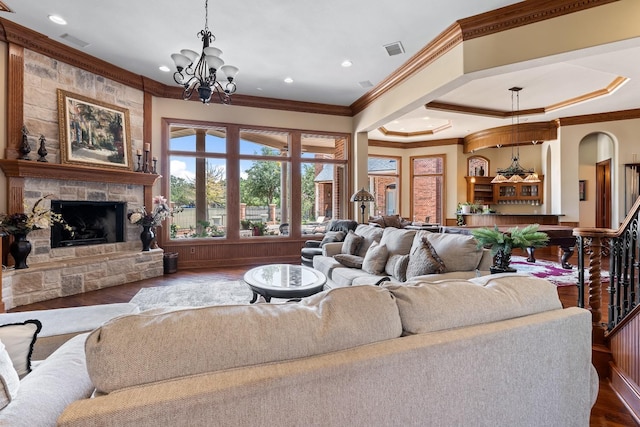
[284, 281]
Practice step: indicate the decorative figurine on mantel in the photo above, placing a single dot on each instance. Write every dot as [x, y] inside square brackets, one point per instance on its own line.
[42, 151]
[25, 148]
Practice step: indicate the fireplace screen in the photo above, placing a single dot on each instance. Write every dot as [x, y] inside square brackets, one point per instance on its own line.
[92, 223]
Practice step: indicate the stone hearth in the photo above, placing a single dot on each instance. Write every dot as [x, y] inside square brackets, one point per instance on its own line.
[64, 271]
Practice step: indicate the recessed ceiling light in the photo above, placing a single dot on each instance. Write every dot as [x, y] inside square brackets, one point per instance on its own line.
[165, 68]
[425, 118]
[57, 19]
[288, 80]
[346, 63]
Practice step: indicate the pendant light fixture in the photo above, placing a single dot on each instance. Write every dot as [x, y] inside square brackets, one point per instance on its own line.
[205, 72]
[514, 173]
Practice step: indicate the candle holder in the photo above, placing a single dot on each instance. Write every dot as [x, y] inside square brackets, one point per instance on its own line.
[139, 164]
[42, 151]
[145, 168]
[155, 170]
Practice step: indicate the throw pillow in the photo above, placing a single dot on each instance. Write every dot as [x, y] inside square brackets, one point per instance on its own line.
[332, 236]
[375, 259]
[392, 221]
[399, 265]
[376, 221]
[9, 381]
[351, 261]
[19, 339]
[351, 243]
[424, 261]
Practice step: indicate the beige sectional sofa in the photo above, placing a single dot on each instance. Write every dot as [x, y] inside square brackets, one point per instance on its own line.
[492, 351]
[460, 255]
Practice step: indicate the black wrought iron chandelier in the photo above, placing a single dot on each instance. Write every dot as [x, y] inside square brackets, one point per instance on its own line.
[515, 172]
[209, 72]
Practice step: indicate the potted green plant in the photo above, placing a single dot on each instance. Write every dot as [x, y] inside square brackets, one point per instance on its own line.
[502, 243]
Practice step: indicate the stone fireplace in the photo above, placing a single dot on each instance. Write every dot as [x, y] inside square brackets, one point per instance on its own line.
[76, 268]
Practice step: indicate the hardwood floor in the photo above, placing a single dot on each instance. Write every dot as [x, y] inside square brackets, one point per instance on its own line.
[608, 410]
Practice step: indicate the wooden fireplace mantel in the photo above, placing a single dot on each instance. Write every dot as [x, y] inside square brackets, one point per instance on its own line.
[34, 169]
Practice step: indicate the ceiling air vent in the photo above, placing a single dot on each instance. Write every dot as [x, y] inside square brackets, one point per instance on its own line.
[394, 48]
[74, 40]
[365, 84]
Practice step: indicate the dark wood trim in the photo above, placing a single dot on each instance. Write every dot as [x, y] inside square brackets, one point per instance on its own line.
[627, 392]
[599, 118]
[443, 106]
[15, 101]
[31, 169]
[522, 13]
[504, 135]
[4, 8]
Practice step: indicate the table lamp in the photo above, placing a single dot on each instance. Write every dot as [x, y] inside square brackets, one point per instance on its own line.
[363, 196]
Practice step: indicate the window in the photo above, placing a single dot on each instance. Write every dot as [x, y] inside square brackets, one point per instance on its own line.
[384, 183]
[197, 182]
[427, 188]
[265, 183]
[240, 182]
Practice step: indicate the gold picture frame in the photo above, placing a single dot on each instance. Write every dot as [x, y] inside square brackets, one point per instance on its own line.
[93, 133]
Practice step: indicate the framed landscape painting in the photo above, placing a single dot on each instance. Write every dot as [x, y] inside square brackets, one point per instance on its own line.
[93, 133]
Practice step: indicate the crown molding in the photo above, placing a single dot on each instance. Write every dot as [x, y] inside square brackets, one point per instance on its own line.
[601, 117]
[520, 14]
[417, 144]
[5, 8]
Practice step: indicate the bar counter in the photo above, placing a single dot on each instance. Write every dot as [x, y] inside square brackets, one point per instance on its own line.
[491, 219]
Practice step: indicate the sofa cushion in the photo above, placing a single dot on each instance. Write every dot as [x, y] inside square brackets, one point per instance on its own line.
[434, 306]
[53, 385]
[370, 235]
[352, 243]
[399, 265]
[351, 261]
[398, 242]
[425, 260]
[9, 380]
[459, 252]
[375, 259]
[148, 347]
[333, 236]
[19, 339]
[325, 264]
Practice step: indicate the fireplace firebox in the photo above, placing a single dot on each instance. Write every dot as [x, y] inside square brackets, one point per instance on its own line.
[92, 223]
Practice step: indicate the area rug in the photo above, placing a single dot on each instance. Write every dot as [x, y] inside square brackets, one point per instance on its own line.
[552, 271]
[195, 294]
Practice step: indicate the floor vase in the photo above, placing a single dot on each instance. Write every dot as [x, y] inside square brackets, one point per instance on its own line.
[146, 237]
[20, 249]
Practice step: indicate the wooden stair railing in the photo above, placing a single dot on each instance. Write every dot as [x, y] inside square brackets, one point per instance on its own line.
[623, 269]
[622, 245]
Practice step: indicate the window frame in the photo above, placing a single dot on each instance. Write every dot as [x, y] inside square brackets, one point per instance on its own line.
[233, 158]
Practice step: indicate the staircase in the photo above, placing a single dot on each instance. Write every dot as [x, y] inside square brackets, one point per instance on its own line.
[616, 343]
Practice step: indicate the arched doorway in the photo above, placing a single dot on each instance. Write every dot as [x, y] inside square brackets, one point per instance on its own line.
[595, 180]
